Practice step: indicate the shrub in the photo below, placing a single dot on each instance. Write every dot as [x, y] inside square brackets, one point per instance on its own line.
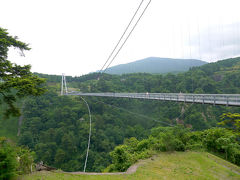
[236, 158]
[178, 145]
[219, 140]
[25, 160]
[8, 160]
[14, 160]
[122, 159]
[142, 145]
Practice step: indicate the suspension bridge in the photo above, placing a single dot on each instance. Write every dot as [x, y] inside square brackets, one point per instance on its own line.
[214, 99]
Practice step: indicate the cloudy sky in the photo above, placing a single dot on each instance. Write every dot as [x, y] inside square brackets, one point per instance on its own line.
[75, 37]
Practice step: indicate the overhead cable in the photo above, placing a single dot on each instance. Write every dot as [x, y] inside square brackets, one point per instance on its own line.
[122, 36]
[127, 36]
[140, 115]
[90, 132]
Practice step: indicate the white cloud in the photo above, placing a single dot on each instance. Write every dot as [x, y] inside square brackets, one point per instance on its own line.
[76, 36]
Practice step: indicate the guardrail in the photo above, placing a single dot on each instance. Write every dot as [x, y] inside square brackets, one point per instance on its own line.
[215, 99]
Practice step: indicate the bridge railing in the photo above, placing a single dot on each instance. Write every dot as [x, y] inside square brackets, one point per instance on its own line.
[222, 99]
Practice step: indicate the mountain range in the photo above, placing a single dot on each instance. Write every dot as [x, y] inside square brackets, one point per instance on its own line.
[155, 65]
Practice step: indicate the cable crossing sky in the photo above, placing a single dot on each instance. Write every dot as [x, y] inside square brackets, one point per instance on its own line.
[139, 18]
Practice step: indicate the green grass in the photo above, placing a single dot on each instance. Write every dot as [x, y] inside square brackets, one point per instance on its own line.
[177, 165]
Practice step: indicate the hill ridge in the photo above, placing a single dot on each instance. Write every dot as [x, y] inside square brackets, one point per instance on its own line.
[155, 65]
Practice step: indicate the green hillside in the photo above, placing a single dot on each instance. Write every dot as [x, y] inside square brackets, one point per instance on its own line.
[177, 165]
[56, 127]
[155, 65]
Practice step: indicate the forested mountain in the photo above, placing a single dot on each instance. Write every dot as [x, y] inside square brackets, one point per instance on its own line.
[56, 127]
[155, 65]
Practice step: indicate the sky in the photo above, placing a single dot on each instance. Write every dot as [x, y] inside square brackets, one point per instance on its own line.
[75, 37]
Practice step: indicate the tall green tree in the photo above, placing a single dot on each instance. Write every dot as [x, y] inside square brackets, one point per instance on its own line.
[15, 81]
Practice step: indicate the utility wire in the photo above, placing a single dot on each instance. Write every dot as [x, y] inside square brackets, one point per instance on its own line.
[140, 115]
[189, 40]
[90, 132]
[127, 36]
[90, 119]
[185, 111]
[122, 36]
[209, 41]
[199, 39]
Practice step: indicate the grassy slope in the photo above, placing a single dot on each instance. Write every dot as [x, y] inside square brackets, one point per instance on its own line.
[178, 165]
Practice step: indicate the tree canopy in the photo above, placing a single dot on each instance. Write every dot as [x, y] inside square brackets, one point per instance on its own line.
[56, 127]
[15, 81]
[231, 120]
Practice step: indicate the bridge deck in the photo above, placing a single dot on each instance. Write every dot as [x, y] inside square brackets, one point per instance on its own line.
[216, 99]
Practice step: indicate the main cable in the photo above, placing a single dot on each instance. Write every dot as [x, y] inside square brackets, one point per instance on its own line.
[127, 37]
[90, 132]
[122, 36]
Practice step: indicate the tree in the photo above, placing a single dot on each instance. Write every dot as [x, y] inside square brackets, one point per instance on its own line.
[14, 160]
[15, 81]
[231, 120]
[8, 160]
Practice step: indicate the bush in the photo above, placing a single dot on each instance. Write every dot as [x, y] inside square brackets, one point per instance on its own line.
[14, 160]
[122, 159]
[158, 145]
[219, 140]
[237, 157]
[212, 135]
[194, 146]
[25, 160]
[178, 145]
[224, 142]
[142, 145]
[8, 160]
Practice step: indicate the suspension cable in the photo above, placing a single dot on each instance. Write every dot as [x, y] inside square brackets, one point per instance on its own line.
[122, 36]
[140, 115]
[199, 39]
[127, 36]
[90, 132]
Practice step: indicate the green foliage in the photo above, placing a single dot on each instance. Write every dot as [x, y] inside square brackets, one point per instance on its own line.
[231, 120]
[56, 127]
[121, 158]
[15, 81]
[14, 160]
[217, 140]
[8, 160]
[222, 141]
[25, 159]
[9, 127]
[161, 139]
[177, 165]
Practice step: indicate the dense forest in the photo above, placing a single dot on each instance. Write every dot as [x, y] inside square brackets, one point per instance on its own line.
[56, 127]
